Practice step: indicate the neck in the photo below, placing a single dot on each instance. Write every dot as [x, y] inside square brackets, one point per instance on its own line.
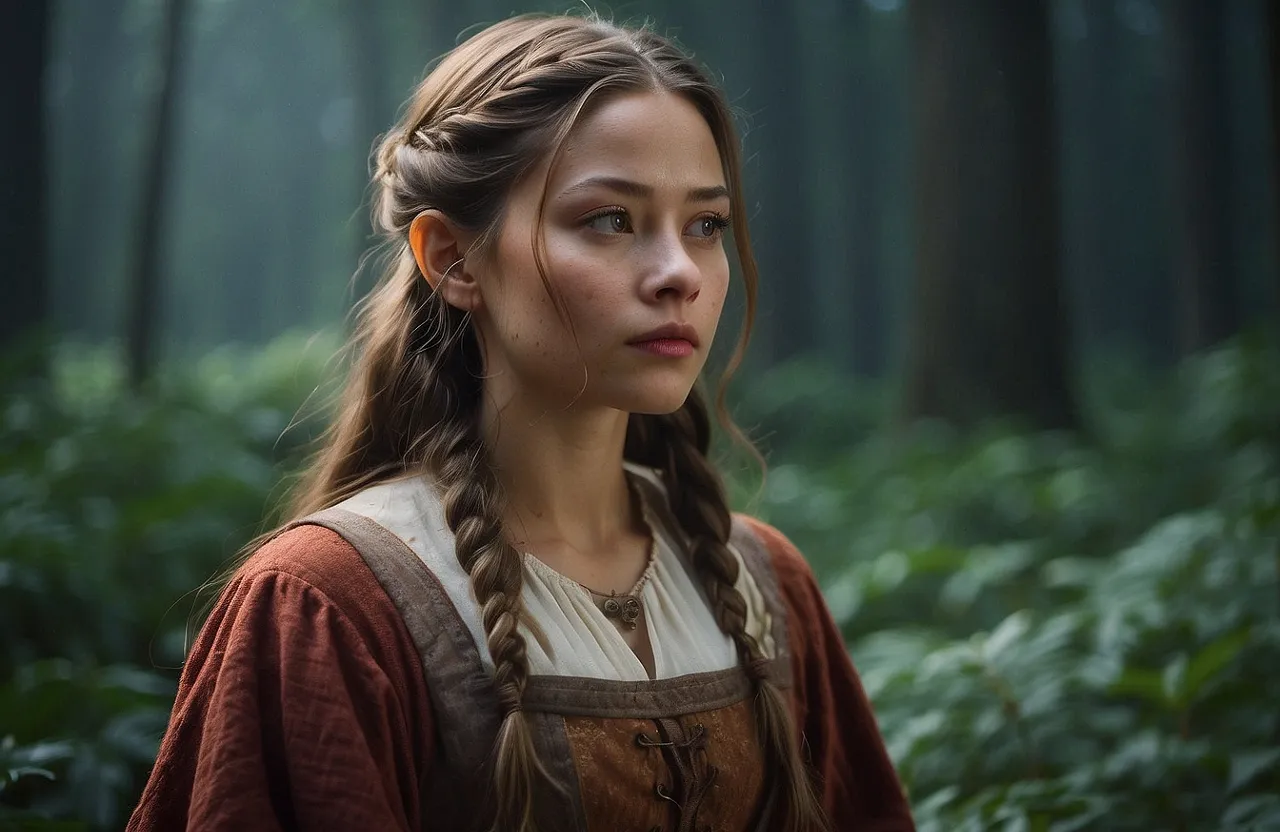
[561, 473]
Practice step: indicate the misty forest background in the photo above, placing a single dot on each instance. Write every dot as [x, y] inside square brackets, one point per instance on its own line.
[1016, 368]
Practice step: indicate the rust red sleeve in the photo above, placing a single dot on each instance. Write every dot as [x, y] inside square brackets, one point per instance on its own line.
[859, 787]
[301, 705]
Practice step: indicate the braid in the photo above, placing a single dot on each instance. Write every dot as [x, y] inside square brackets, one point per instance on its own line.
[700, 507]
[471, 497]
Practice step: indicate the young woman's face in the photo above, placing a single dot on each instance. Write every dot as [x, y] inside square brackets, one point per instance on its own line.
[636, 206]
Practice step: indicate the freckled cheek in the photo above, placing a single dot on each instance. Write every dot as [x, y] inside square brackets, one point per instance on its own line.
[586, 292]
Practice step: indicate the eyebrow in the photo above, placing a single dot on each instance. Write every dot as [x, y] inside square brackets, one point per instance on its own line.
[637, 189]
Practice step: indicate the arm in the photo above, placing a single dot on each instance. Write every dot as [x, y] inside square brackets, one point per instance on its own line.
[858, 785]
[294, 712]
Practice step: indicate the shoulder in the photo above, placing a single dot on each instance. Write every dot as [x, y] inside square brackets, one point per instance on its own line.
[859, 788]
[308, 554]
[306, 604]
[304, 683]
[809, 619]
[313, 572]
[792, 571]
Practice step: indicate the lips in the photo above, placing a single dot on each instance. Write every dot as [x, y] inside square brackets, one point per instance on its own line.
[669, 332]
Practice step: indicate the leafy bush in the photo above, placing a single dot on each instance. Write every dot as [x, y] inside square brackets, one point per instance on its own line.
[1058, 632]
[114, 509]
[1065, 635]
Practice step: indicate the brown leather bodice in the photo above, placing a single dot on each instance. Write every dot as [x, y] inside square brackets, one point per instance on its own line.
[675, 755]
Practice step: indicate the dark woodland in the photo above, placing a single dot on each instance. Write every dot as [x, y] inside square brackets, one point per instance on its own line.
[1016, 370]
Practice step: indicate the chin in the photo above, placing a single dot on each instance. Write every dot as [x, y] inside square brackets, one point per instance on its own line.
[655, 391]
[655, 401]
[656, 411]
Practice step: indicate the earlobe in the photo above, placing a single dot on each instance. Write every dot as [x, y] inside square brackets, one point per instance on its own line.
[439, 248]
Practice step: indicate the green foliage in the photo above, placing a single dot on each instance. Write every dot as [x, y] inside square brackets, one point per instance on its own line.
[1058, 632]
[114, 509]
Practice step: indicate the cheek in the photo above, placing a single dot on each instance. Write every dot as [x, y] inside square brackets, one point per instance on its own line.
[520, 304]
[587, 291]
[717, 286]
[586, 295]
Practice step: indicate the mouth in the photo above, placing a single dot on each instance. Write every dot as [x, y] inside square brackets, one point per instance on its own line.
[669, 332]
[674, 340]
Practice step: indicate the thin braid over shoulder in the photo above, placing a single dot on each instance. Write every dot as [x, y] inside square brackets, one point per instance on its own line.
[677, 444]
[471, 497]
[469, 493]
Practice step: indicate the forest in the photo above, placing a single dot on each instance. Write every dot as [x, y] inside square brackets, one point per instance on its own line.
[1015, 372]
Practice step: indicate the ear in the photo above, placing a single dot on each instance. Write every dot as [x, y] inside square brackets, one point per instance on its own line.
[440, 248]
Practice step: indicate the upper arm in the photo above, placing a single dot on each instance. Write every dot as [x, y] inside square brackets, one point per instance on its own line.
[290, 715]
[858, 784]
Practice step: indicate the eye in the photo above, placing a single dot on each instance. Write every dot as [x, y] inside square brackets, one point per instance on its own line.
[708, 226]
[612, 221]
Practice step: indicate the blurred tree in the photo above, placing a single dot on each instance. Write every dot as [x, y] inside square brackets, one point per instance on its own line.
[23, 237]
[1273, 56]
[830, 137]
[1098, 141]
[869, 314]
[1112, 87]
[374, 110]
[844, 184]
[784, 244]
[890, 109]
[143, 325]
[85, 169]
[877, 126]
[1204, 273]
[987, 334]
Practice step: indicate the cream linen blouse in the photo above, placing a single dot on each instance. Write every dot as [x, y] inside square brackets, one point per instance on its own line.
[570, 635]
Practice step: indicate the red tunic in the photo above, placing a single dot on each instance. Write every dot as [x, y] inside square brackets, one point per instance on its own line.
[303, 704]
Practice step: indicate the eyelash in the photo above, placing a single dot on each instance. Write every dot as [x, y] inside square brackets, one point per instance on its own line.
[719, 221]
[605, 212]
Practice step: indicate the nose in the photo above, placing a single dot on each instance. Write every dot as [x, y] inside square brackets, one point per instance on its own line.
[672, 273]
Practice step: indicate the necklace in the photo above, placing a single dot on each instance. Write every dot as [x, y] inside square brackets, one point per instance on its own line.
[625, 608]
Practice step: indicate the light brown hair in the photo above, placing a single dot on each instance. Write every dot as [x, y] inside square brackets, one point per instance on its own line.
[493, 108]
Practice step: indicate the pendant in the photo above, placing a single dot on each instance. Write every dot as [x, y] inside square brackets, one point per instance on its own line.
[626, 608]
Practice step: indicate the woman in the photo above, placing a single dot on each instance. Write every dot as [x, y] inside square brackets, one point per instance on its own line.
[515, 597]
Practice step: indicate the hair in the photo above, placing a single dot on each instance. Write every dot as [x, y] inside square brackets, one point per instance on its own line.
[492, 109]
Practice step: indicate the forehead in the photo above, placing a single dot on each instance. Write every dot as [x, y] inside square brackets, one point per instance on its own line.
[657, 139]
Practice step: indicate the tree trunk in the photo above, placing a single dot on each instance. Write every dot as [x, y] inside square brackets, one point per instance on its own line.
[23, 223]
[867, 318]
[1207, 294]
[1273, 56]
[842, 224]
[144, 307]
[780, 227]
[987, 333]
[87, 174]
[1097, 254]
[373, 112]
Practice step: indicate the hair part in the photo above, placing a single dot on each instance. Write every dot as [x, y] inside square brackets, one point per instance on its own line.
[492, 110]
